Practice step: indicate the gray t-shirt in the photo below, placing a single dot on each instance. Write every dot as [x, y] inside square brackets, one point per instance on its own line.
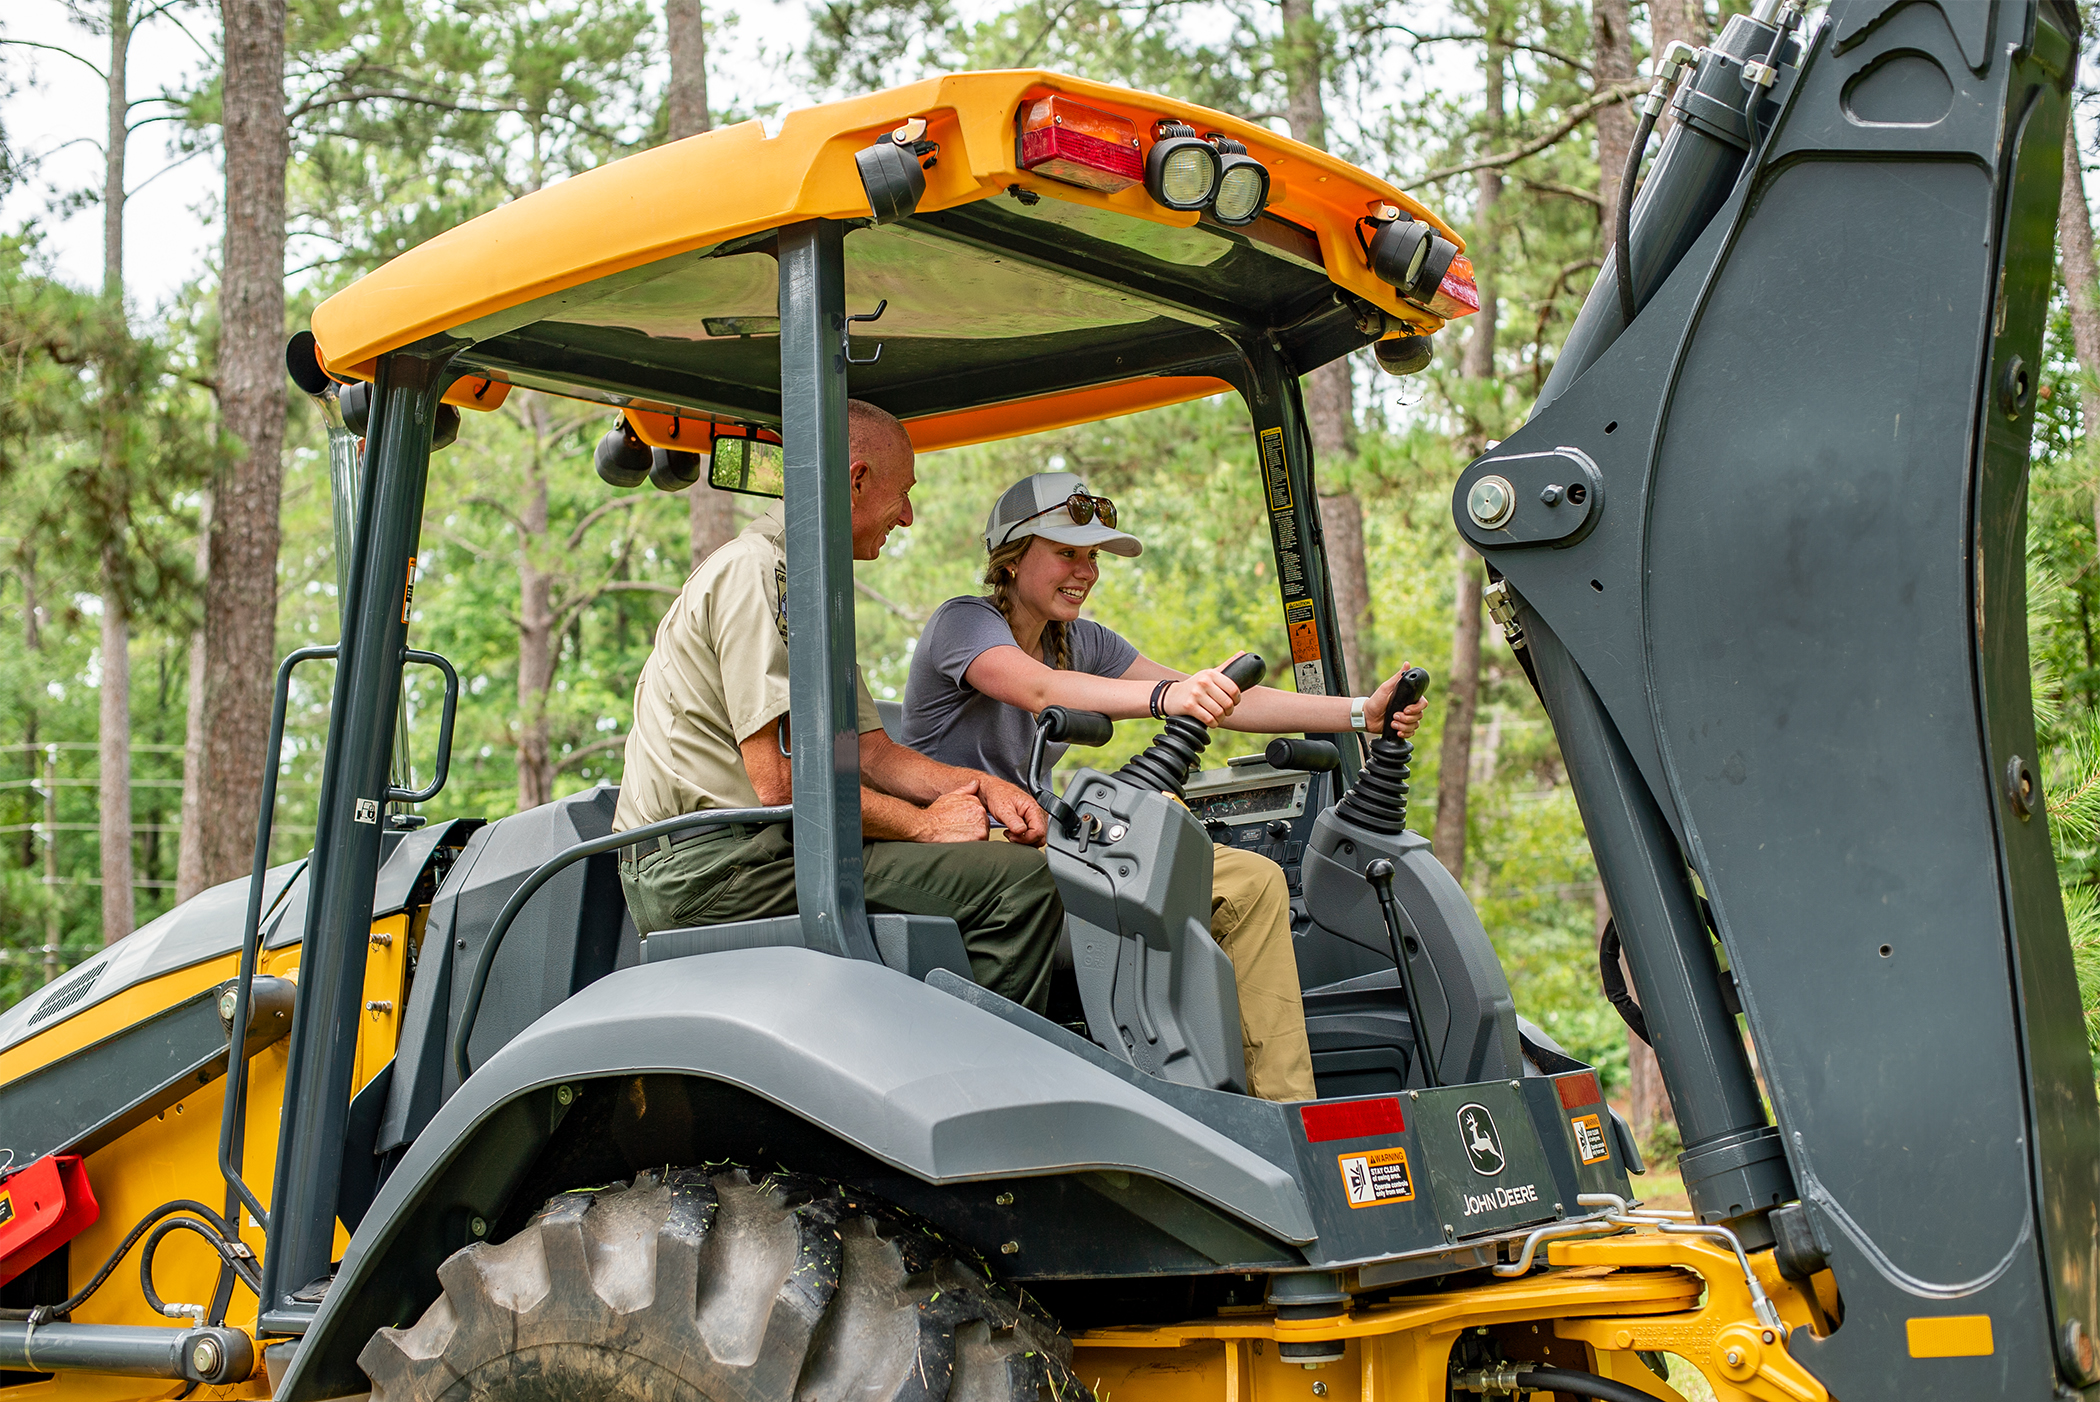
[947, 719]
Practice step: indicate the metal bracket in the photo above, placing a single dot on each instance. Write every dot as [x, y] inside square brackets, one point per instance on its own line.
[846, 336]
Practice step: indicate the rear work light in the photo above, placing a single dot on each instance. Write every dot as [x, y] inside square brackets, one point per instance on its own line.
[1243, 185]
[1079, 145]
[1181, 169]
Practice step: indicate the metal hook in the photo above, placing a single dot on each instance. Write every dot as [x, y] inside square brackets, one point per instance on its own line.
[846, 338]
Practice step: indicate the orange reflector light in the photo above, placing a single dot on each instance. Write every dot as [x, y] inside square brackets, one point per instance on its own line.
[43, 1206]
[1458, 296]
[1080, 145]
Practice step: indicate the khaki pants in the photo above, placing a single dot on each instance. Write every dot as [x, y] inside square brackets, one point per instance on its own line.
[999, 894]
[1250, 916]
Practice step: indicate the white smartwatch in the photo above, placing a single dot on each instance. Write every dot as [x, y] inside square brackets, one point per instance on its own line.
[1356, 713]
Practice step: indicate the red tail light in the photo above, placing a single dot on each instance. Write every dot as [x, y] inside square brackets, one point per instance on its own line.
[1457, 296]
[43, 1206]
[1080, 145]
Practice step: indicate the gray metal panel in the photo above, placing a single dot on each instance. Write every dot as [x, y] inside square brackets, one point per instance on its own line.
[916, 1078]
[1807, 625]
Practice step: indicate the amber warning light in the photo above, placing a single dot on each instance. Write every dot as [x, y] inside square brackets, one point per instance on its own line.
[1080, 145]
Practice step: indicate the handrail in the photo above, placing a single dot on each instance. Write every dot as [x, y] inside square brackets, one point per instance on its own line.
[444, 757]
[233, 1114]
[553, 866]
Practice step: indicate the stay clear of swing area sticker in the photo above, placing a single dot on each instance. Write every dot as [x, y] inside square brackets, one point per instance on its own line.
[1589, 1138]
[1377, 1177]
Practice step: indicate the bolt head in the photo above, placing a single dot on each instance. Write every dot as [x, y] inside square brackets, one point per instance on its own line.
[1004, 1199]
[226, 1002]
[1549, 495]
[1319, 1388]
[478, 1227]
[1491, 502]
[1009, 1248]
[563, 1095]
[1735, 1358]
[204, 1356]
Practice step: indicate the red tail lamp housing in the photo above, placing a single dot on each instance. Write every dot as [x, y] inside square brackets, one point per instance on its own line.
[1080, 145]
[1457, 295]
[43, 1205]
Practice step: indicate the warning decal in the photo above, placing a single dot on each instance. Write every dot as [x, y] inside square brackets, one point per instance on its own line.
[1589, 1138]
[7, 1209]
[1304, 630]
[1377, 1177]
[1272, 471]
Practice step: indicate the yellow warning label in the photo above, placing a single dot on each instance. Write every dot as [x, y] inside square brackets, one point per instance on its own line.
[1376, 1178]
[1589, 1138]
[1274, 475]
[7, 1209]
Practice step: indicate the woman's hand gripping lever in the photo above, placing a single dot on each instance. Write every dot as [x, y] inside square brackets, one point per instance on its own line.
[1380, 874]
[1378, 803]
[1165, 764]
[1060, 725]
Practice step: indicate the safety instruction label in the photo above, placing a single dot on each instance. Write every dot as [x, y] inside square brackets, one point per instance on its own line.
[1377, 1177]
[1304, 629]
[7, 1209]
[1273, 475]
[1589, 1138]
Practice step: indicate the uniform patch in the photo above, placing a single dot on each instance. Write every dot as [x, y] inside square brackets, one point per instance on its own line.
[1377, 1177]
[1589, 1138]
[780, 593]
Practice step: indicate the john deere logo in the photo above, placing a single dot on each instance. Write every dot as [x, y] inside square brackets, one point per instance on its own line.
[1476, 1129]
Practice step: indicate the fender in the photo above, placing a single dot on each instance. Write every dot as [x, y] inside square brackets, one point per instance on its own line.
[906, 1074]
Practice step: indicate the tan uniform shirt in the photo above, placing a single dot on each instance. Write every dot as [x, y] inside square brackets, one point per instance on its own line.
[718, 674]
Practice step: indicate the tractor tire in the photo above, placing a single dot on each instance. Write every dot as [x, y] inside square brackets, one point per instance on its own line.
[701, 1285]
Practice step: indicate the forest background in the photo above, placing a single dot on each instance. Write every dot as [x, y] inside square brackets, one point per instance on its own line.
[165, 515]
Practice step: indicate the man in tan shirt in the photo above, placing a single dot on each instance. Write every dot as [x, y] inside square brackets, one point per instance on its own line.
[706, 734]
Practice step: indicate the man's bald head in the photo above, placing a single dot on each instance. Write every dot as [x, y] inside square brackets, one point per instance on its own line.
[881, 455]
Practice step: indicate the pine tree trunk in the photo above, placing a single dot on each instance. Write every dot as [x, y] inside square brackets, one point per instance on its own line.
[710, 522]
[33, 640]
[1674, 21]
[1455, 756]
[2074, 226]
[536, 637]
[232, 688]
[115, 785]
[190, 876]
[1611, 52]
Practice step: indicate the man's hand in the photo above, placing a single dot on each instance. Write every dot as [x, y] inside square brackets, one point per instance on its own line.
[1207, 697]
[1023, 817]
[954, 817]
[1408, 720]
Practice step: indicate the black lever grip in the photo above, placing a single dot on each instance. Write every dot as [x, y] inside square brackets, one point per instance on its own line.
[1248, 669]
[1311, 755]
[1062, 725]
[1413, 682]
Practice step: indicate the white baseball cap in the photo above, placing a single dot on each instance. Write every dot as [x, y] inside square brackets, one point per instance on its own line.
[1039, 505]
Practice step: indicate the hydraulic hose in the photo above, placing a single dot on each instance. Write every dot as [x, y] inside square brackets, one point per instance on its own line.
[44, 1313]
[1622, 227]
[1570, 1382]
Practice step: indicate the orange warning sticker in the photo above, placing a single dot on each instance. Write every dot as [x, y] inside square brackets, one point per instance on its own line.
[1375, 1178]
[1589, 1138]
[1305, 641]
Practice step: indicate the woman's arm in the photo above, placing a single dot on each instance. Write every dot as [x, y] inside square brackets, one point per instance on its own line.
[1008, 674]
[1264, 710]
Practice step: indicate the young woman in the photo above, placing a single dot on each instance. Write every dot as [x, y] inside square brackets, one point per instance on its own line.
[985, 666]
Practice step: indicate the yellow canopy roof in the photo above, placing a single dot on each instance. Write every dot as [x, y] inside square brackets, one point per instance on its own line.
[650, 283]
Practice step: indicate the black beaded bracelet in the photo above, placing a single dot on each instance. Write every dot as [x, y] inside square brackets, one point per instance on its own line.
[1159, 696]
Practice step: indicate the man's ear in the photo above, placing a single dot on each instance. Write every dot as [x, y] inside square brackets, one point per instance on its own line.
[857, 473]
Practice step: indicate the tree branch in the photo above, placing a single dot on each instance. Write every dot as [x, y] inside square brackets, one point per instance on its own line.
[1549, 187]
[869, 591]
[1576, 116]
[616, 504]
[595, 747]
[356, 95]
[54, 48]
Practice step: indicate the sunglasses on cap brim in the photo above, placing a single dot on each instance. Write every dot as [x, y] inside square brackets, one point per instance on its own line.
[1081, 507]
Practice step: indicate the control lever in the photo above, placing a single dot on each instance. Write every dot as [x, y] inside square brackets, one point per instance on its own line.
[1380, 874]
[1378, 803]
[1313, 756]
[1061, 725]
[1165, 764]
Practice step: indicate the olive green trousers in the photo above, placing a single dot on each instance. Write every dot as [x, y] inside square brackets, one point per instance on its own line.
[1000, 895]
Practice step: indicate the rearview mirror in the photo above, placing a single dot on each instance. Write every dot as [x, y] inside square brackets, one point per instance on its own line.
[746, 463]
